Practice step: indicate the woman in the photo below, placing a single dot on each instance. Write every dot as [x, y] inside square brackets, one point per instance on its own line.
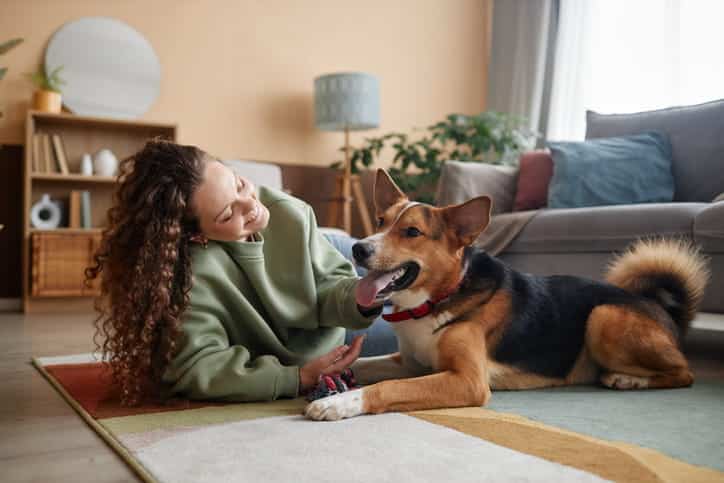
[211, 289]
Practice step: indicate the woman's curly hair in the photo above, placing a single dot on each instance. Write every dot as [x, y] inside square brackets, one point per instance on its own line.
[145, 266]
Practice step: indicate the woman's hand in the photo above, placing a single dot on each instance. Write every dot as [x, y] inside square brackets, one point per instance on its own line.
[337, 360]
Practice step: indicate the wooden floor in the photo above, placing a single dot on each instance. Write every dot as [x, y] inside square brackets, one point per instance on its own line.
[42, 439]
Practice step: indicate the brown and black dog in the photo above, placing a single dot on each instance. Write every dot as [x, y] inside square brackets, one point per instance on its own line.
[467, 323]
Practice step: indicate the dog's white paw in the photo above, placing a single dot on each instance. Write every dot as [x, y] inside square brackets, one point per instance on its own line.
[333, 408]
[624, 381]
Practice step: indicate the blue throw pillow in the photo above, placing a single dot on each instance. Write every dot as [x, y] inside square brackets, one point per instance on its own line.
[611, 171]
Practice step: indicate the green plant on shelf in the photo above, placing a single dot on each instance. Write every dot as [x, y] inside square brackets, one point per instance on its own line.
[47, 82]
[489, 137]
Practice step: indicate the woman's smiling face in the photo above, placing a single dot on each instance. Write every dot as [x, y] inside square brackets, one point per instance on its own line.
[226, 205]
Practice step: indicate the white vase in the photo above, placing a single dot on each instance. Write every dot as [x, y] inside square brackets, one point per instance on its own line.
[86, 165]
[105, 163]
[46, 213]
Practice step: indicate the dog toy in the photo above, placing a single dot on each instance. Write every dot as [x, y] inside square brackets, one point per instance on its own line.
[331, 384]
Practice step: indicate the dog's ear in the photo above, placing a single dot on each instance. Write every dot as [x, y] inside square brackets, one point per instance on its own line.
[468, 220]
[386, 192]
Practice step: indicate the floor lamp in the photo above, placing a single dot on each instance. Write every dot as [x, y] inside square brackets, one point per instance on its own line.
[347, 102]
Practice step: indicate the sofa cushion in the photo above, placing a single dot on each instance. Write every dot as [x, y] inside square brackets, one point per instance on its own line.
[604, 228]
[261, 174]
[461, 181]
[696, 139]
[709, 228]
[534, 175]
[611, 171]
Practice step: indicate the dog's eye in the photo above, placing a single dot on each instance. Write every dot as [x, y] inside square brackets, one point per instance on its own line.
[380, 222]
[412, 232]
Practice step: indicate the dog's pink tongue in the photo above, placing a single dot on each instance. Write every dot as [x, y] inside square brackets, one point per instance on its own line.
[369, 286]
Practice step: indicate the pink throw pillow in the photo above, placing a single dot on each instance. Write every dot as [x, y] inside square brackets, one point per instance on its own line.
[536, 170]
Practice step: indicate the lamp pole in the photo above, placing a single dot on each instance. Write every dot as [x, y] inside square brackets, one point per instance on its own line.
[347, 185]
[347, 101]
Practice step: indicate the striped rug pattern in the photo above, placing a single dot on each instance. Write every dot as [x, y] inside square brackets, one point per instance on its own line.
[200, 442]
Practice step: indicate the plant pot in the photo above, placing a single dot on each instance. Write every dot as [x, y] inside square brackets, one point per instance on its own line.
[47, 101]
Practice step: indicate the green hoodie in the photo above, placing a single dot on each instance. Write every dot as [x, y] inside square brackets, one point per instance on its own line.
[260, 309]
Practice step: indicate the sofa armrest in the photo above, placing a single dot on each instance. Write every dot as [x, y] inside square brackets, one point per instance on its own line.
[260, 173]
[709, 228]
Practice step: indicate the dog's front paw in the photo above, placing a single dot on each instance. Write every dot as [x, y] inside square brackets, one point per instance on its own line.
[333, 408]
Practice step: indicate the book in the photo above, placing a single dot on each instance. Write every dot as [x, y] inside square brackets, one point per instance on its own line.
[48, 161]
[42, 168]
[74, 209]
[85, 209]
[36, 153]
[60, 154]
[52, 163]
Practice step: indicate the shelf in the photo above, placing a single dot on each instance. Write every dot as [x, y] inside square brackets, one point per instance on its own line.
[67, 230]
[73, 177]
[66, 118]
[55, 251]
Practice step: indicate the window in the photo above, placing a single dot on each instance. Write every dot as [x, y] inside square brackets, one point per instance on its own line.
[620, 56]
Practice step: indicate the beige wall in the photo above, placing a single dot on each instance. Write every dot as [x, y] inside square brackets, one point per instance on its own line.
[237, 76]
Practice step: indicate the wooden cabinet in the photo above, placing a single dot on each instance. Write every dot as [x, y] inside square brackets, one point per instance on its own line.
[54, 260]
[59, 261]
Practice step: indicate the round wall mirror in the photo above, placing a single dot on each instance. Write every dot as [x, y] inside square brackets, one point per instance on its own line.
[109, 68]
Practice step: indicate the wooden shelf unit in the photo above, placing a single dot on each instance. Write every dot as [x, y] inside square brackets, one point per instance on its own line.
[72, 177]
[67, 230]
[80, 135]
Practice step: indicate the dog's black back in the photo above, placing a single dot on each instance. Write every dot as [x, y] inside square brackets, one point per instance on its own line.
[547, 322]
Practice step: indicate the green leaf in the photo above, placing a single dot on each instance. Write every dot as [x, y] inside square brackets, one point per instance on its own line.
[54, 81]
[366, 158]
[3, 70]
[37, 78]
[417, 160]
[6, 46]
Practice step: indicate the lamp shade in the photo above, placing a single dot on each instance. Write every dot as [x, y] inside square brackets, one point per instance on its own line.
[346, 100]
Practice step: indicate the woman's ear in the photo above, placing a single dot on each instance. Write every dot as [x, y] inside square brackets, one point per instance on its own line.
[386, 192]
[469, 219]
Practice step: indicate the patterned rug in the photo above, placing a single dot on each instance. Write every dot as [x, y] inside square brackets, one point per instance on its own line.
[201, 442]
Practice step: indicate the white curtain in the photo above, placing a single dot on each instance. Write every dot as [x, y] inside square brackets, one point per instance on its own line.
[517, 71]
[620, 56]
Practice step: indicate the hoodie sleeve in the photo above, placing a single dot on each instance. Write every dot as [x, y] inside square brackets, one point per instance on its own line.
[208, 367]
[336, 280]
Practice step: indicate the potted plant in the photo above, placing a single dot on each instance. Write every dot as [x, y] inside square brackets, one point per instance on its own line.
[5, 48]
[47, 96]
[488, 137]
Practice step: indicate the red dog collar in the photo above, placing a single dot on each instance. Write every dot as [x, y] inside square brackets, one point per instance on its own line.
[416, 313]
[422, 310]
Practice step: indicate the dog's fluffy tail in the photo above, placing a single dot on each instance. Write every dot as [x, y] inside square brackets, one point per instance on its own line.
[670, 272]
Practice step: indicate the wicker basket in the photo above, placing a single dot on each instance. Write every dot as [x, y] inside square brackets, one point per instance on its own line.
[59, 261]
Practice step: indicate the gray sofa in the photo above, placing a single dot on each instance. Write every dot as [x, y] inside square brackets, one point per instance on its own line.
[582, 241]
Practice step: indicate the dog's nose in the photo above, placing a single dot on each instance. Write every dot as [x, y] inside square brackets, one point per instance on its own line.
[362, 251]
